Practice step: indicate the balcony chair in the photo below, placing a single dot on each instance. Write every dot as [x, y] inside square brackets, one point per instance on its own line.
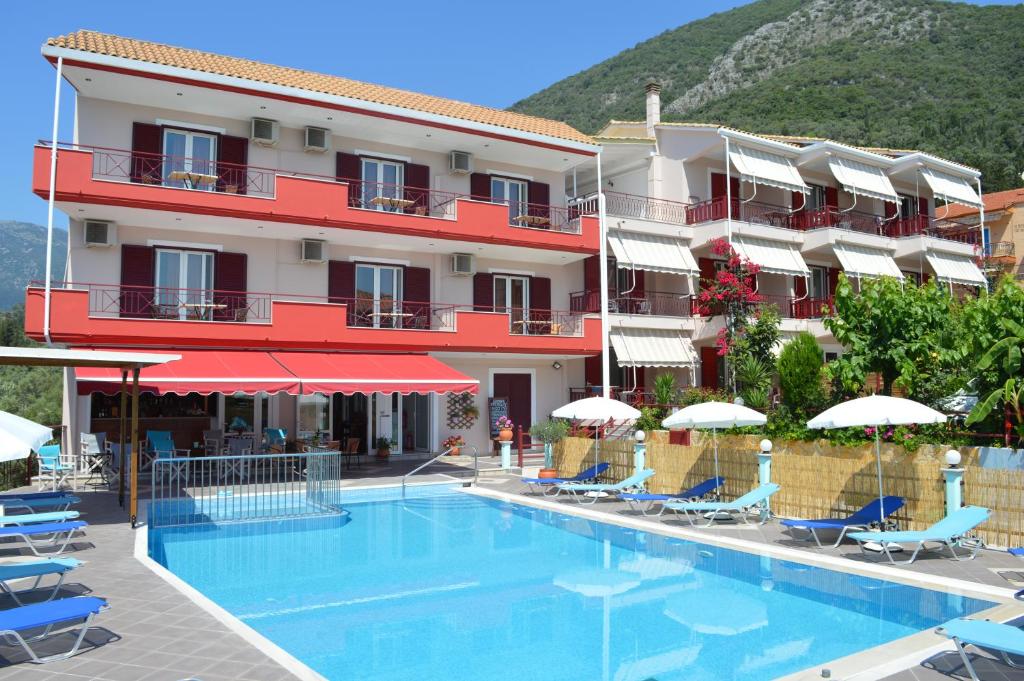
[92, 455]
[53, 470]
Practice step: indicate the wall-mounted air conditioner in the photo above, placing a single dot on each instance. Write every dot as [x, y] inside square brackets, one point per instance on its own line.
[460, 162]
[264, 131]
[317, 139]
[462, 265]
[313, 250]
[99, 233]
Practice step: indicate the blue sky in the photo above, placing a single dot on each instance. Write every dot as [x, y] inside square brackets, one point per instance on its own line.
[487, 53]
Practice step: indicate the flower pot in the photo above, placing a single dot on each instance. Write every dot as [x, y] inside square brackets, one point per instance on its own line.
[454, 451]
[383, 453]
[548, 473]
[505, 435]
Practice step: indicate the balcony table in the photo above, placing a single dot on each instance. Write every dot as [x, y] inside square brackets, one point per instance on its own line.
[778, 218]
[391, 202]
[191, 179]
[534, 220]
[200, 309]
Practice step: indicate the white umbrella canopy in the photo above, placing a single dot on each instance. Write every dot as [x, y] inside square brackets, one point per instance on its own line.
[597, 409]
[714, 415]
[19, 437]
[876, 410]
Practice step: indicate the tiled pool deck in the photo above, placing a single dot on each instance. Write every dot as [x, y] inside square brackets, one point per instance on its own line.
[154, 632]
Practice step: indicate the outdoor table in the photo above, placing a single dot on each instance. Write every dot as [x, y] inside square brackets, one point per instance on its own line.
[534, 220]
[391, 202]
[200, 309]
[191, 179]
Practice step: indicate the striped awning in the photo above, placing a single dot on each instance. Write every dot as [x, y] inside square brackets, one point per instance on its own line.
[763, 167]
[774, 257]
[652, 348]
[863, 179]
[957, 269]
[651, 252]
[950, 188]
[861, 261]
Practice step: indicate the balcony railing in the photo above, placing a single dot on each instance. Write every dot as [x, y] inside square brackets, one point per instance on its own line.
[645, 208]
[754, 212]
[402, 199]
[533, 322]
[999, 249]
[791, 307]
[655, 303]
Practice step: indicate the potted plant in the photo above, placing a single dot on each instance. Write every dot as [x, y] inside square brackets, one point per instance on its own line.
[452, 444]
[384, 446]
[471, 412]
[504, 425]
[549, 432]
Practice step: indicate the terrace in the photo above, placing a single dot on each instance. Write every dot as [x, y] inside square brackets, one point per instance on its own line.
[683, 305]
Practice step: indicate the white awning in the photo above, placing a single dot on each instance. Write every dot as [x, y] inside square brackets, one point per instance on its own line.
[861, 261]
[958, 269]
[764, 167]
[863, 179]
[652, 252]
[652, 348]
[774, 257]
[951, 188]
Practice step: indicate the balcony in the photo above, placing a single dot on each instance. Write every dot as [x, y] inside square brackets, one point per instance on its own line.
[638, 207]
[109, 314]
[656, 303]
[95, 175]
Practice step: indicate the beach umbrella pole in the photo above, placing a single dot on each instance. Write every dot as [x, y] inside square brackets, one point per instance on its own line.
[714, 437]
[878, 463]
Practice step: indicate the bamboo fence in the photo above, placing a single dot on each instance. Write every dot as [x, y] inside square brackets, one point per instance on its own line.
[819, 479]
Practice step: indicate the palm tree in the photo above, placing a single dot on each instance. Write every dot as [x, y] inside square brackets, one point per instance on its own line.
[1010, 384]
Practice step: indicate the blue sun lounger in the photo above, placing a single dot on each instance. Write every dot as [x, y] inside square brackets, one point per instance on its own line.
[948, 532]
[47, 616]
[32, 495]
[36, 569]
[59, 502]
[33, 518]
[644, 502]
[581, 492]
[51, 535]
[546, 485]
[1003, 638]
[743, 506]
[858, 520]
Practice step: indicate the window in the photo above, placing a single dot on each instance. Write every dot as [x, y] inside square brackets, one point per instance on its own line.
[831, 357]
[383, 184]
[189, 152]
[817, 283]
[908, 206]
[816, 198]
[314, 415]
[512, 295]
[512, 192]
[184, 284]
[379, 296]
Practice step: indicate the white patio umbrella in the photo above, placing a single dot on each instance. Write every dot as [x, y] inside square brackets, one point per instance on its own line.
[19, 437]
[876, 411]
[596, 411]
[714, 415]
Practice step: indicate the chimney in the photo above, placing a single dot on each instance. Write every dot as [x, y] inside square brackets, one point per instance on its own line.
[653, 90]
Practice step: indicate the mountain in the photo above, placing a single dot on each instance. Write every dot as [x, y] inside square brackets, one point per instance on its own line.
[942, 77]
[23, 258]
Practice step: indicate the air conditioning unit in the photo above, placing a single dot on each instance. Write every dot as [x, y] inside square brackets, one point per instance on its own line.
[462, 264]
[313, 250]
[317, 139]
[460, 162]
[264, 131]
[100, 234]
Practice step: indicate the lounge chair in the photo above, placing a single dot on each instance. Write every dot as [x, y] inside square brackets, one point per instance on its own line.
[34, 518]
[46, 616]
[37, 569]
[644, 502]
[582, 492]
[744, 506]
[52, 469]
[28, 504]
[1004, 638]
[546, 485]
[33, 495]
[54, 531]
[858, 520]
[947, 532]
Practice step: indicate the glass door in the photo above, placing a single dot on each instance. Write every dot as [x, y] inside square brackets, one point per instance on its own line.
[386, 420]
[512, 295]
[383, 184]
[189, 152]
[314, 418]
[818, 283]
[379, 296]
[416, 423]
[184, 281]
[514, 193]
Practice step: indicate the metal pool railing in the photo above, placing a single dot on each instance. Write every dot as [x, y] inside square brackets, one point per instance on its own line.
[476, 466]
[196, 490]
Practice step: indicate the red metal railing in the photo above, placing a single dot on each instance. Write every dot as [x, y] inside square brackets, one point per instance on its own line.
[534, 322]
[588, 301]
[645, 208]
[754, 212]
[792, 307]
[397, 198]
[653, 303]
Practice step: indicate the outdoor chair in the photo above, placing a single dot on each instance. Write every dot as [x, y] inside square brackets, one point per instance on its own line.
[92, 455]
[754, 501]
[1006, 639]
[34, 518]
[45, 535]
[163, 450]
[949, 532]
[861, 519]
[114, 448]
[644, 502]
[36, 569]
[16, 621]
[549, 486]
[352, 451]
[53, 470]
[28, 503]
[236, 468]
[590, 493]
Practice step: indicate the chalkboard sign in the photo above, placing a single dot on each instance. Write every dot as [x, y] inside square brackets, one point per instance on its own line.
[496, 408]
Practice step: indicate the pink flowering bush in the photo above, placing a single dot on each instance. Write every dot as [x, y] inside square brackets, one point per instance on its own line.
[731, 293]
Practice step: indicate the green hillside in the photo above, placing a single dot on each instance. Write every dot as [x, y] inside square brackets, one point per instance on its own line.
[942, 77]
[23, 258]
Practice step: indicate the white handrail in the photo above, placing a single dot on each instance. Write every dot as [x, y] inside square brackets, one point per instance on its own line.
[476, 465]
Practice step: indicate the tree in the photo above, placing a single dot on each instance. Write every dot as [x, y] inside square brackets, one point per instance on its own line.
[31, 392]
[800, 367]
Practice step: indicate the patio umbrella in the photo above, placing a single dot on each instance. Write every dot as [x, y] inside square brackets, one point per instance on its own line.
[19, 437]
[876, 411]
[596, 411]
[714, 415]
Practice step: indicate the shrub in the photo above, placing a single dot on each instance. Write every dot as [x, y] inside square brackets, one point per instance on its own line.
[665, 388]
[550, 431]
[800, 364]
[650, 419]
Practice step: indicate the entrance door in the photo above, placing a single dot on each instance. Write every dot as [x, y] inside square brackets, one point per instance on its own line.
[518, 389]
[379, 296]
[709, 367]
[386, 420]
[416, 423]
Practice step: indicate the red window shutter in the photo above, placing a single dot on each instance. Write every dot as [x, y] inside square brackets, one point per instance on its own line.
[922, 206]
[480, 186]
[230, 273]
[800, 287]
[483, 292]
[833, 280]
[592, 273]
[138, 275]
[832, 197]
[890, 209]
[416, 297]
[734, 187]
[717, 185]
[638, 288]
[709, 367]
[707, 271]
[798, 201]
[538, 194]
[348, 168]
[592, 370]
[417, 188]
[341, 285]
[147, 147]
[540, 303]
[232, 157]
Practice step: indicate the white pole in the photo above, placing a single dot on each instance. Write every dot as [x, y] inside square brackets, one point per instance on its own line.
[728, 195]
[603, 269]
[878, 462]
[981, 224]
[49, 206]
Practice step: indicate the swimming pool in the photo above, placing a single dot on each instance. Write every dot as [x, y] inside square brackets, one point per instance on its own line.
[448, 585]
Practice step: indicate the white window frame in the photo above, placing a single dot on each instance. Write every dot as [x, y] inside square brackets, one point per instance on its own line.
[823, 272]
[207, 268]
[507, 182]
[508, 278]
[378, 181]
[190, 136]
[399, 280]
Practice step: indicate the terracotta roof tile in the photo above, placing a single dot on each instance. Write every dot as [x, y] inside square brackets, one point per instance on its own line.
[207, 62]
[993, 202]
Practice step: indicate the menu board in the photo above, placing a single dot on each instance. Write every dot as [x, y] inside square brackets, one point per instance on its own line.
[496, 408]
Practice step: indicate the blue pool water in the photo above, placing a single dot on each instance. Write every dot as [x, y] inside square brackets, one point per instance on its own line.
[452, 586]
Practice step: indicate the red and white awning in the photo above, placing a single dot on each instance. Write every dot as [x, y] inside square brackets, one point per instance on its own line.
[349, 373]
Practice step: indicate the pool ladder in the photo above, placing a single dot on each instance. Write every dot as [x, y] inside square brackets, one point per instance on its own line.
[476, 465]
